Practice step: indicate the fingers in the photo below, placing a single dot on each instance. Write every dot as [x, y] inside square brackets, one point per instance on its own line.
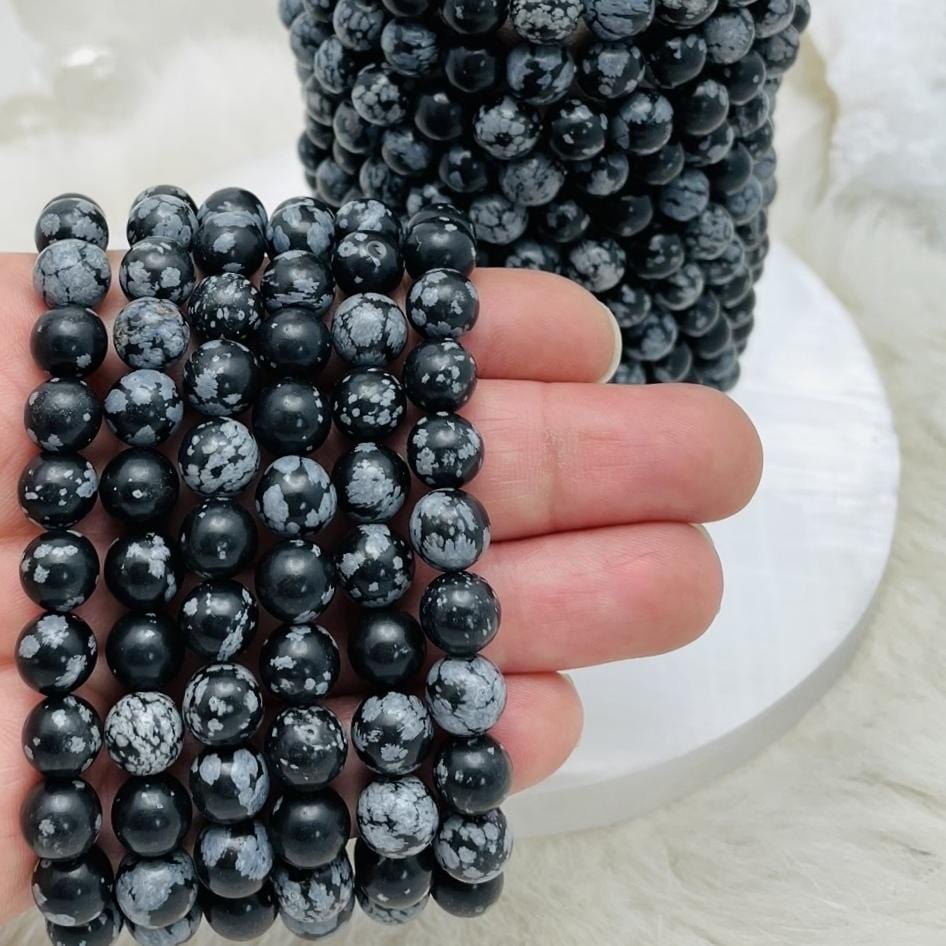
[570, 456]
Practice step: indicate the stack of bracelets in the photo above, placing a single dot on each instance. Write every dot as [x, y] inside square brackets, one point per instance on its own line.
[253, 350]
[626, 144]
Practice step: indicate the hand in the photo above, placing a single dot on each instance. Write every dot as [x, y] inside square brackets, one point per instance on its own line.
[591, 488]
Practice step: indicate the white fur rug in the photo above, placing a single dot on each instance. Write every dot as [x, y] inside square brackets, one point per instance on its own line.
[836, 835]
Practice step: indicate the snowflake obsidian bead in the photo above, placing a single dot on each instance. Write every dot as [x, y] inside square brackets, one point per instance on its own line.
[386, 648]
[144, 651]
[372, 483]
[218, 539]
[73, 893]
[60, 818]
[72, 272]
[392, 733]
[229, 784]
[460, 613]
[62, 736]
[218, 457]
[293, 341]
[291, 418]
[222, 704]
[155, 892]
[71, 217]
[301, 223]
[368, 404]
[143, 733]
[367, 262]
[70, 342]
[295, 581]
[295, 497]
[241, 918]
[150, 333]
[229, 242]
[56, 490]
[59, 570]
[444, 450]
[473, 775]
[315, 896]
[297, 278]
[226, 305]
[151, 814]
[397, 817]
[466, 695]
[233, 200]
[299, 663]
[233, 860]
[141, 571]
[102, 931]
[139, 486]
[220, 378]
[173, 934]
[439, 244]
[369, 329]
[157, 267]
[389, 916]
[218, 618]
[62, 415]
[161, 215]
[306, 747]
[55, 653]
[143, 408]
[393, 883]
[310, 829]
[473, 848]
[375, 565]
[449, 529]
[439, 375]
[443, 304]
[465, 900]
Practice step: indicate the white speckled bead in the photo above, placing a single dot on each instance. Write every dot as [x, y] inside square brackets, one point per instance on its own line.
[218, 457]
[233, 860]
[397, 817]
[369, 330]
[143, 408]
[295, 496]
[473, 848]
[466, 696]
[223, 704]
[155, 892]
[150, 333]
[545, 21]
[143, 733]
[449, 529]
[315, 896]
[175, 934]
[389, 916]
[72, 272]
[392, 733]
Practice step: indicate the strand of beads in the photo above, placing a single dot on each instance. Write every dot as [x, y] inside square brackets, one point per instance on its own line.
[56, 652]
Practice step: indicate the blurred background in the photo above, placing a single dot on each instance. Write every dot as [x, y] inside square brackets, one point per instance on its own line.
[837, 833]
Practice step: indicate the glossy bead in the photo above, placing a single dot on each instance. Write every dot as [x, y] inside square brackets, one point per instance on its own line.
[388, 916]
[72, 272]
[62, 736]
[306, 747]
[233, 860]
[473, 67]
[601, 176]
[707, 236]
[311, 829]
[535, 255]
[56, 490]
[439, 375]
[473, 16]
[154, 892]
[161, 215]
[375, 565]
[60, 818]
[394, 883]
[545, 21]
[222, 704]
[473, 775]
[407, 7]
[367, 216]
[143, 408]
[449, 529]
[233, 200]
[335, 67]
[295, 497]
[443, 304]
[464, 169]
[299, 663]
[497, 220]
[71, 217]
[368, 404]
[141, 571]
[465, 900]
[151, 814]
[218, 457]
[386, 648]
[59, 570]
[369, 329]
[220, 378]
[618, 19]
[378, 95]
[444, 450]
[218, 618]
[397, 817]
[656, 168]
[144, 651]
[174, 934]
[226, 305]
[62, 415]
[473, 848]
[74, 892]
[101, 931]
[229, 784]
[392, 733]
[139, 486]
[319, 929]
[70, 342]
[540, 75]
[744, 79]
[157, 267]
[294, 342]
[291, 418]
[295, 581]
[314, 896]
[298, 278]
[143, 733]
[240, 918]
[685, 197]
[460, 613]
[372, 482]
[55, 653]
[577, 132]
[410, 47]
[657, 254]
[218, 539]
[466, 695]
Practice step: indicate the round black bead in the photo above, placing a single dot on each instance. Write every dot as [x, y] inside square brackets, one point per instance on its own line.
[396, 883]
[474, 16]
[56, 490]
[74, 892]
[440, 375]
[443, 304]
[466, 695]
[369, 329]
[465, 900]
[460, 613]
[220, 378]
[473, 775]
[293, 341]
[69, 343]
[240, 918]
[309, 829]
[372, 483]
[306, 747]
[609, 70]
[388, 916]
[229, 784]
[218, 539]
[619, 21]
[229, 242]
[643, 123]
[473, 848]
[301, 223]
[386, 648]
[233, 860]
[375, 566]
[392, 733]
[157, 268]
[299, 663]
[71, 217]
[156, 892]
[577, 132]
[139, 486]
[436, 244]
[368, 404]
[444, 450]
[222, 704]
[218, 457]
[161, 215]
[141, 571]
[295, 496]
[170, 189]
[143, 733]
[449, 529]
[397, 817]
[291, 418]
[59, 570]
[365, 215]
[218, 618]
[71, 272]
[315, 903]
[298, 278]
[62, 736]
[102, 931]
[143, 408]
[62, 415]
[151, 814]
[144, 651]
[367, 262]
[55, 653]
[226, 305]
[233, 200]
[295, 581]
[473, 67]
[60, 818]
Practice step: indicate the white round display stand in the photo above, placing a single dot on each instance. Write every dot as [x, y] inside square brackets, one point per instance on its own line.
[802, 564]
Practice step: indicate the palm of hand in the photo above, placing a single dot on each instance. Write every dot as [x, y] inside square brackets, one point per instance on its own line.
[591, 490]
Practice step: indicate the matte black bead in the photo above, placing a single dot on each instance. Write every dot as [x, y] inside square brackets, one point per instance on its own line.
[62, 415]
[618, 21]
[179, 932]
[506, 128]
[444, 450]
[141, 571]
[309, 829]
[297, 278]
[74, 892]
[291, 418]
[299, 663]
[610, 70]
[240, 918]
[540, 74]
[306, 747]
[301, 223]
[435, 245]
[171, 189]
[460, 613]
[60, 818]
[70, 342]
[139, 486]
[368, 404]
[295, 580]
[144, 651]
[233, 199]
[55, 653]
[396, 883]
[643, 122]
[62, 736]
[220, 378]
[473, 774]
[386, 648]
[218, 539]
[218, 618]
[229, 784]
[102, 931]
[293, 342]
[56, 490]
[71, 217]
[410, 47]
[375, 565]
[161, 215]
[577, 132]
[388, 916]
[157, 268]
[226, 305]
[367, 216]
[684, 13]
[233, 860]
[392, 732]
[59, 570]
[229, 242]
[369, 329]
[465, 900]
[143, 408]
[439, 375]
[652, 339]
[151, 814]
[223, 704]
[367, 262]
[676, 59]
[745, 78]
[155, 892]
[443, 304]
[473, 848]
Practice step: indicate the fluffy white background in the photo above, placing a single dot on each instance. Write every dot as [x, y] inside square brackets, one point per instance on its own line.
[836, 835]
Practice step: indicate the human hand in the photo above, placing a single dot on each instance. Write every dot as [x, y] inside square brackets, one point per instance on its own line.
[591, 489]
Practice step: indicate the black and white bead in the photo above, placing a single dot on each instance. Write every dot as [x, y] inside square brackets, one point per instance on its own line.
[143, 733]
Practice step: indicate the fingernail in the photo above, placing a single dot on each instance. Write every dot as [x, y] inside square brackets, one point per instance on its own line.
[618, 347]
